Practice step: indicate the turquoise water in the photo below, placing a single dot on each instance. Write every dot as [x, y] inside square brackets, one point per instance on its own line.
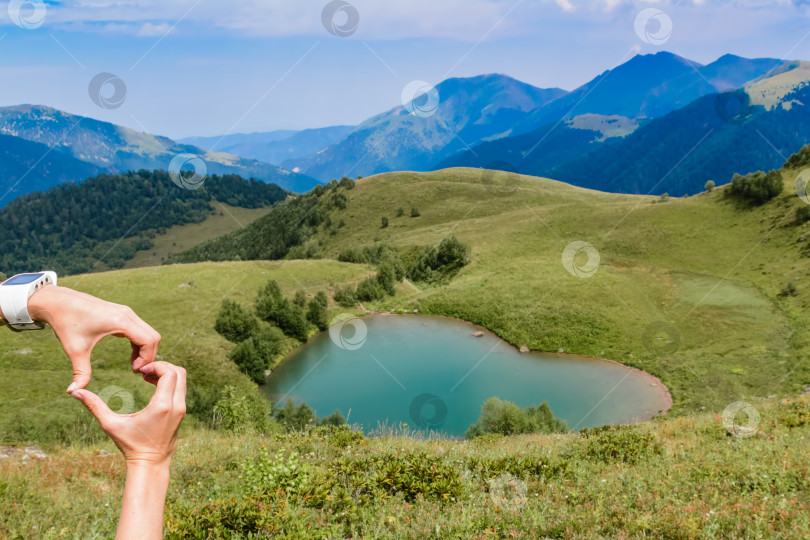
[432, 374]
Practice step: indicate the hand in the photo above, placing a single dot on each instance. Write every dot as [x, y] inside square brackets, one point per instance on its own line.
[148, 437]
[80, 321]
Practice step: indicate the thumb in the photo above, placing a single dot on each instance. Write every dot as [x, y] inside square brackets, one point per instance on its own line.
[95, 405]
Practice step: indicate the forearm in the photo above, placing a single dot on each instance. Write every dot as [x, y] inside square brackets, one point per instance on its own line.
[144, 499]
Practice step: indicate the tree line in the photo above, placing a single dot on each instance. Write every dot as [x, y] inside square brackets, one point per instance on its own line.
[69, 228]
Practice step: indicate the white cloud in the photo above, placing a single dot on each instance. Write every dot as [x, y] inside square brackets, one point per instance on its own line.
[464, 20]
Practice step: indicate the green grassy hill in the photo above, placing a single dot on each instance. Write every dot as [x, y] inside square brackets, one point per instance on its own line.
[709, 267]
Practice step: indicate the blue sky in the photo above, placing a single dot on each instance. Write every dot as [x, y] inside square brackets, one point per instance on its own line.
[206, 67]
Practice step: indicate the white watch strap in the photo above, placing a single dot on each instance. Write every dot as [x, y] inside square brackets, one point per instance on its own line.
[14, 301]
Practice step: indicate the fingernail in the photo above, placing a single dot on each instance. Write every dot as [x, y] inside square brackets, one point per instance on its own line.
[71, 388]
[147, 369]
[77, 394]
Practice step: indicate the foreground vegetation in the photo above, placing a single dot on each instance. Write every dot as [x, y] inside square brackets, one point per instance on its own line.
[677, 478]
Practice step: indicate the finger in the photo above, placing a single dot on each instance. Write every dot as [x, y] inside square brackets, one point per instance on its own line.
[96, 406]
[81, 369]
[180, 390]
[143, 338]
[166, 384]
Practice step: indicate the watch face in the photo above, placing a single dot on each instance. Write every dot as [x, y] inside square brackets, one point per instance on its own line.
[22, 279]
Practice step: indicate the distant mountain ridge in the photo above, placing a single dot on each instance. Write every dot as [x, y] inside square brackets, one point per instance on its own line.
[468, 111]
[274, 146]
[474, 116]
[636, 158]
[111, 148]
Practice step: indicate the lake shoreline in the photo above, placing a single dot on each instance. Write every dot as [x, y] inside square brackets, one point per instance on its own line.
[655, 382]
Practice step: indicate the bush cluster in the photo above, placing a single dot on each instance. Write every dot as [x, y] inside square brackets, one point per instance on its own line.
[619, 443]
[506, 418]
[757, 188]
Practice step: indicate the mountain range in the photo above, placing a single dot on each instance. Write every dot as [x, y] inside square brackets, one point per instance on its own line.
[274, 146]
[656, 123]
[61, 147]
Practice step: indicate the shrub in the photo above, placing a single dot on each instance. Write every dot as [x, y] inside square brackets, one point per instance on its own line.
[334, 419]
[452, 254]
[796, 415]
[316, 314]
[294, 417]
[347, 183]
[344, 296]
[369, 289]
[234, 322]
[611, 443]
[434, 265]
[400, 212]
[263, 475]
[506, 418]
[271, 306]
[250, 361]
[803, 214]
[384, 222]
[300, 298]
[758, 187]
[789, 290]
[415, 212]
[709, 186]
[411, 475]
[240, 411]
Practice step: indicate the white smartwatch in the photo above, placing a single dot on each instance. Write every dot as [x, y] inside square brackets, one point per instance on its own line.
[14, 295]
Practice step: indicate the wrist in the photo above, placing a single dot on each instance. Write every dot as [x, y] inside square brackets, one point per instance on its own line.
[155, 464]
[41, 304]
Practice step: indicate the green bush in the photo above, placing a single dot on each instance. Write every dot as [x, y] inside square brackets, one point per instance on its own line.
[758, 187]
[249, 361]
[234, 322]
[345, 297]
[796, 415]
[369, 289]
[411, 475]
[316, 314]
[384, 222]
[294, 417]
[415, 212]
[517, 466]
[240, 411]
[271, 306]
[263, 475]
[803, 214]
[435, 265]
[506, 418]
[709, 186]
[617, 443]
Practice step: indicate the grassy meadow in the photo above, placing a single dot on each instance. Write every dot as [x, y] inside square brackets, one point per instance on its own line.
[690, 290]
